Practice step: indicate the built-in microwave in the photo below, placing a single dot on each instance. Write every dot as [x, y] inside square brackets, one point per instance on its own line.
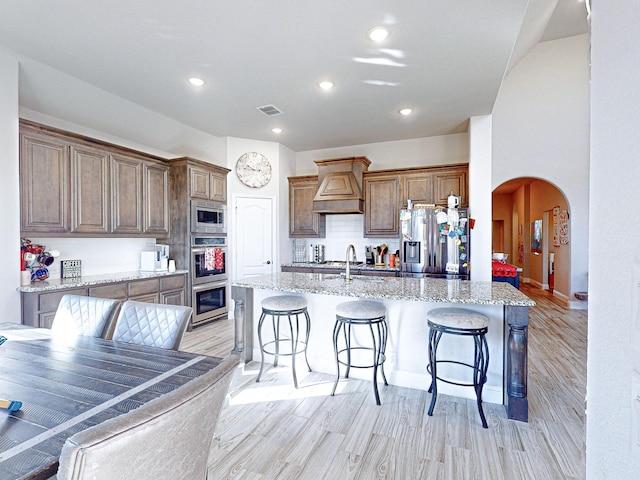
[208, 217]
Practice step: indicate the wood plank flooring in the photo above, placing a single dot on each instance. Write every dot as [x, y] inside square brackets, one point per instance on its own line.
[271, 430]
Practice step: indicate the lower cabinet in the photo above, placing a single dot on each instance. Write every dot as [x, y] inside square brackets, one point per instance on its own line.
[39, 308]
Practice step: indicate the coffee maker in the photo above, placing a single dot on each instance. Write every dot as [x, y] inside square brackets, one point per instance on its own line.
[369, 255]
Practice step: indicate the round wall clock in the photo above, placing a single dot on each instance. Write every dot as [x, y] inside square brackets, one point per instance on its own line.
[253, 169]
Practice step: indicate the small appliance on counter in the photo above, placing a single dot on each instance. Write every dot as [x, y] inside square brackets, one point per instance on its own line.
[316, 253]
[369, 256]
[155, 258]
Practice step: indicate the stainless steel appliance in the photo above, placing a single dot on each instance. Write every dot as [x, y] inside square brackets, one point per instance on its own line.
[208, 259]
[208, 217]
[209, 286]
[209, 302]
[434, 242]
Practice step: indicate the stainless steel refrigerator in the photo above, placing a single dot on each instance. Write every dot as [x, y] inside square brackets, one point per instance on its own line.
[434, 242]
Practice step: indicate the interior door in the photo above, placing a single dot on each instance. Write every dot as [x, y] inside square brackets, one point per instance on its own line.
[255, 242]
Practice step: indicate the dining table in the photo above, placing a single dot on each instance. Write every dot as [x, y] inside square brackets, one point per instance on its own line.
[67, 384]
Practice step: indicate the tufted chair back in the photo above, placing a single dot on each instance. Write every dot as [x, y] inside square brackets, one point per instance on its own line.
[87, 316]
[152, 324]
[168, 438]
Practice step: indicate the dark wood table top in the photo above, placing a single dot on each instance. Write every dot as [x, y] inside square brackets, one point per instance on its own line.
[68, 385]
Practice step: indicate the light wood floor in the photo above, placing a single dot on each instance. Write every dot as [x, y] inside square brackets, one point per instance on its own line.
[270, 430]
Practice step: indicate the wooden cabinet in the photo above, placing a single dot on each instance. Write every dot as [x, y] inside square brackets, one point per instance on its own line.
[39, 307]
[208, 183]
[155, 199]
[44, 184]
[75, 186]
[435, 184]
[303, 222]
[382, 197]
[89, 190]
[126, 197]
[454, 180]
[418, 187]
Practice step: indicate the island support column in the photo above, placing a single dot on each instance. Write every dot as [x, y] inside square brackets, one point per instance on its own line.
[243, 322]
[515, 362]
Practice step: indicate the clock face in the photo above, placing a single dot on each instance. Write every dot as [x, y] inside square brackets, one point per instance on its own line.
[253, 169]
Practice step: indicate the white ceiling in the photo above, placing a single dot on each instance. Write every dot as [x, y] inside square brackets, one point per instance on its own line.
[445, 59]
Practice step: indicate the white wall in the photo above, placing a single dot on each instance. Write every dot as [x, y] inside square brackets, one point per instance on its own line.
[9, 193]
[613, 450]
[417, 152]
[541, 129]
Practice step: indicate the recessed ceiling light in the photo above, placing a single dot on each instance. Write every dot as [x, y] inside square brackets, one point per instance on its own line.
[326, 85]
[276, 130]
[406, 111]
[378, 34]
[198, 82]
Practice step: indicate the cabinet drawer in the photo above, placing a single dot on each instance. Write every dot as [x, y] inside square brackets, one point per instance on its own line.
[48, 302]
[143, 287]
[172, 283]
[117, 291]
[149, 298]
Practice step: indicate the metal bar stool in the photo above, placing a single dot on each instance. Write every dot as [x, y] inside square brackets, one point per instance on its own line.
[356, 313]
[288, 306]
[459, 321]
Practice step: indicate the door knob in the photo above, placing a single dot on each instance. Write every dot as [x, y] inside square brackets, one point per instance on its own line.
[268, 262]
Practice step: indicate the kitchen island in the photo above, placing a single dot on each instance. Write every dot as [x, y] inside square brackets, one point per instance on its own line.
[407, 300]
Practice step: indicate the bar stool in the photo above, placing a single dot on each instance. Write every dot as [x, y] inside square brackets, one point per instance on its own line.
[459, 321]
[358, 313]
[278, 307]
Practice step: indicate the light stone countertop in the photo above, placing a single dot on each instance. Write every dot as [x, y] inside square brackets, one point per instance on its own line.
[86, 280]
[392, 288]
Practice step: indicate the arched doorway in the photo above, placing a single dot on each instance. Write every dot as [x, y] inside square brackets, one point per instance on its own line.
[531, 224]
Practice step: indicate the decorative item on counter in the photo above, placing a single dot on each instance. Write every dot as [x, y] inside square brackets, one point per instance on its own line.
[35, 259]
[70, 268]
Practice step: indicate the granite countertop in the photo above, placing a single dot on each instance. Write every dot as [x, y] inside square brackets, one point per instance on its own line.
[392, 288]
[61, 283]
[337, 264]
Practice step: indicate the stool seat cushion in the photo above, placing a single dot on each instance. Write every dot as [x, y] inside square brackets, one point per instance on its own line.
[284, 302]
[361, 310]
[458, 318]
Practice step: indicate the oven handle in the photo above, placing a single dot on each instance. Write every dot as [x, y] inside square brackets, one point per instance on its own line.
[209, 286]
[202, 249]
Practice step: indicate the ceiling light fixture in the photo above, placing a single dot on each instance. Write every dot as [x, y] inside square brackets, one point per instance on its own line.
[326, 85]
[378, 34]
[406, 111]
[198, 82]
[276, 130]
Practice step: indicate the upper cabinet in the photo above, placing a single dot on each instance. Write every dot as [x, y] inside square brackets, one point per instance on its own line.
[44, 184]
[208, 182]
[382, 204]
[75, 186]
[303, 222]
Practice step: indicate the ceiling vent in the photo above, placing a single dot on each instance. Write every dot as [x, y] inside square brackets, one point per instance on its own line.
[340, 185]
[270, 110]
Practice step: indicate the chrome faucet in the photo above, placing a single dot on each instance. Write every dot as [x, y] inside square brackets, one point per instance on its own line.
[347, 272]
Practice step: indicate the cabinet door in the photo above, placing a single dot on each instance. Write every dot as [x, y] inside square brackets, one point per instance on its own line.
[303, 222]
[44, 177]
[177, 297]
[382, 197]
[126, 195]
[89, 190]
[454, 181]
[156, 200]
[199, 183]
[418, 188]
[218, 188]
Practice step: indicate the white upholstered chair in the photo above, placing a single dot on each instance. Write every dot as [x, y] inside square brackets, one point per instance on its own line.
[87, 316]
[152, 324]
[168, 438]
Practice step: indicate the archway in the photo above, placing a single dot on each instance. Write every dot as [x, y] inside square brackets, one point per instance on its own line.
[531, 225]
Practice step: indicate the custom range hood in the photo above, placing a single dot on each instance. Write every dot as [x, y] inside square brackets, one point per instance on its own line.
[340, 185]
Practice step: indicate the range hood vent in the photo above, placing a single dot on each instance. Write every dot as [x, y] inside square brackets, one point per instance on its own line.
[340, 185]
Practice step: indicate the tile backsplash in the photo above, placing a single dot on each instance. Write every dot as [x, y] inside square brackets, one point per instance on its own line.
[344, 230]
